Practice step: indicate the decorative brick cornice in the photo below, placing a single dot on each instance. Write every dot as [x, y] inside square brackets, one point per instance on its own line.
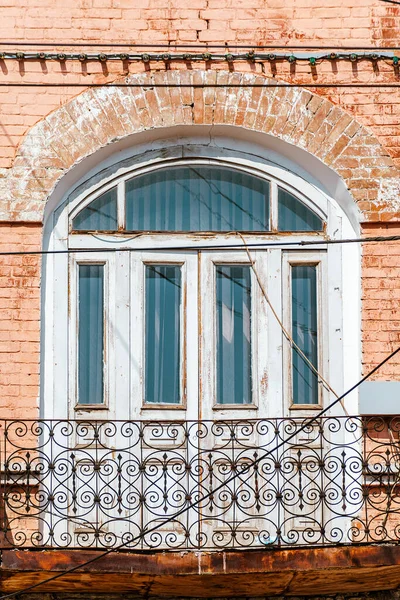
[100, 116]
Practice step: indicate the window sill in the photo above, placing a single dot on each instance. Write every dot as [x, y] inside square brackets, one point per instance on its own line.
[235, 407]
[305, 407]
[163, 406]
[89, 407]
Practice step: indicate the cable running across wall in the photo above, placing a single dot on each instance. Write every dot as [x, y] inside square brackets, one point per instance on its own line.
[150, 85]
[254, 246]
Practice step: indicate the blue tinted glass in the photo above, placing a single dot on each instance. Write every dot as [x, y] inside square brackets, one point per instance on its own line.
[304, 332]
[293, 215]
[163, 300]
[91, 334]
[197, 198]
[99, 215]
[233, 335]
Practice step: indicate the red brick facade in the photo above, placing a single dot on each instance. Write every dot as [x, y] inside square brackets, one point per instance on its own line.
[20, 320]
[86, 123]
[49, 129]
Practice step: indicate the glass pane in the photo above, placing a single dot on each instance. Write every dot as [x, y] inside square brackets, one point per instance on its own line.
[293, 215]
[233, 335]
[163, 354]
[99, 215]
[91, 334]
[304, 332]
[197, 198]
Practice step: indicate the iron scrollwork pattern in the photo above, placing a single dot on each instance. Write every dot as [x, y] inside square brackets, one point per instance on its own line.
[81, 484]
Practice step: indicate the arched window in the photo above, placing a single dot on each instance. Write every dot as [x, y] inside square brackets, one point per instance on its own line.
[188, 285]
[196, 198]
[172, 269]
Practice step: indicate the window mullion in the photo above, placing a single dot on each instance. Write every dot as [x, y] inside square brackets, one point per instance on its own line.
[121, 205]
[274, 206]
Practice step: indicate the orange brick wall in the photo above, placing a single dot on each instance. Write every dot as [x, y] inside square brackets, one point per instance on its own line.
[344, 23]
[381, 301]
[19, 321]
[152, 21]
[254, 22]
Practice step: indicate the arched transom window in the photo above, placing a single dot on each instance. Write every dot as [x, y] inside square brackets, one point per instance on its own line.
[196, 198]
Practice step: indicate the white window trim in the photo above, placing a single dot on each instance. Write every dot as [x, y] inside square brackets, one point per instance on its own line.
[139, 289]
[189, 371]
[108, 260]
[317, 259]
[209, 262]
[182, 405]
[55, 375]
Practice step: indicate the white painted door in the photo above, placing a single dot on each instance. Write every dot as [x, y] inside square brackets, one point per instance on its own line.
[241, 390]
[164, 390]
[189, 337]
[215, 333]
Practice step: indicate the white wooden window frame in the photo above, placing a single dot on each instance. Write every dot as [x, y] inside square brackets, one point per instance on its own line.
[109, 303]
[57, 343]
[139, 264]
[188, 335]
[83, 200]
[317, 260]
[208, 310]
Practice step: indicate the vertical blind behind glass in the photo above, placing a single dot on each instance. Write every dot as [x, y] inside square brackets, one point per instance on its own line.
[91, 334]
[233, 335]
[304, 332]
[197, 198]
[99, 215]
[162, 353]
[293, 215]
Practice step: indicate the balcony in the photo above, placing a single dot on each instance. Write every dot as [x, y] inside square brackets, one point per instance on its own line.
[200, 485]
[191, 496]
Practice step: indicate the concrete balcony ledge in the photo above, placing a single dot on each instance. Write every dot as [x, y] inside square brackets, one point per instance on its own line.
[192, 574]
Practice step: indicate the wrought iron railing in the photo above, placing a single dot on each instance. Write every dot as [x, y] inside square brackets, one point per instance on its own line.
[234, 484]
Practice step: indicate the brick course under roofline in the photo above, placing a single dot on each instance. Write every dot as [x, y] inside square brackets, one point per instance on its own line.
[100, 116]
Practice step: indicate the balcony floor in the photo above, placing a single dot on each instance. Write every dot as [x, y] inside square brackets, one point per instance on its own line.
[292, 572]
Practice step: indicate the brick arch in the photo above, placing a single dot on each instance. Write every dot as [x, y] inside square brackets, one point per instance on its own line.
[100, 116]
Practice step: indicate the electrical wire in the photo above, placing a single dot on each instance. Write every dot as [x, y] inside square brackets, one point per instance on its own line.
[255, 246]
[303, 85]
[286, 332]
[230, 479]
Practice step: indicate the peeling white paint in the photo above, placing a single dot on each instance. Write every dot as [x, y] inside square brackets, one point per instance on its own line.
[389, 193]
